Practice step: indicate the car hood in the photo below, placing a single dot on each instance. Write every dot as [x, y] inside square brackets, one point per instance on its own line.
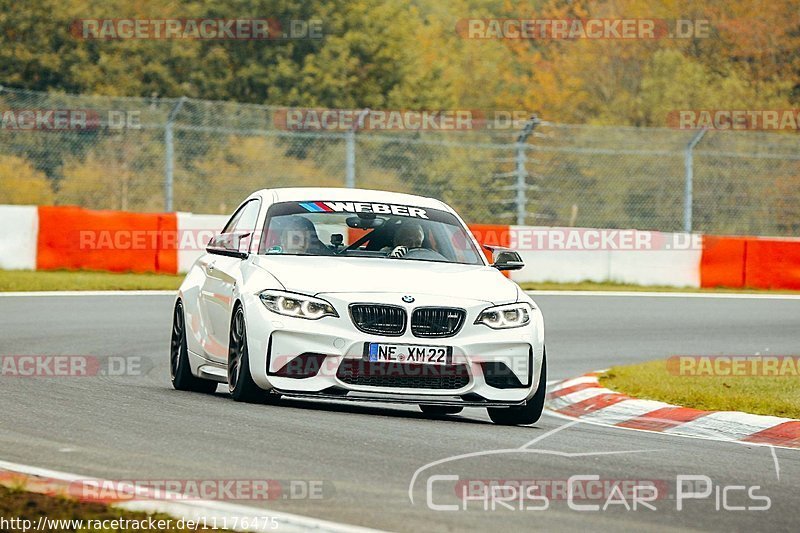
[315, 275]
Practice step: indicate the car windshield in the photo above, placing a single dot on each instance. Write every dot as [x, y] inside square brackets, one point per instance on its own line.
[366, 229]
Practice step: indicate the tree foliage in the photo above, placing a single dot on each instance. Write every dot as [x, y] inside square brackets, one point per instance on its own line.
[409, 55]
[21, 183]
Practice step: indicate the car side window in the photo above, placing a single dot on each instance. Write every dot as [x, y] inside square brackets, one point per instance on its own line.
[233, 220]
[244, 219]
[249, 217]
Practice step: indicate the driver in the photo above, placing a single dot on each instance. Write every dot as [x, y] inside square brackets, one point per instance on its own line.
[299, 236]
[407, 237]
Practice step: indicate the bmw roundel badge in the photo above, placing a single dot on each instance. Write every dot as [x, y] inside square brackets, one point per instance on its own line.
[408, 299]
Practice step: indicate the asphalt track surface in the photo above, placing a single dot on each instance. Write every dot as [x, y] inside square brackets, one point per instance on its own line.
[137, 427]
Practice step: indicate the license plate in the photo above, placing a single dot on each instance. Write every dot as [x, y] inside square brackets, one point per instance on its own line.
[408, 353]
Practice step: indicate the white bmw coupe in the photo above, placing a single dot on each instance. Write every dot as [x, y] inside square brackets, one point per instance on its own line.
[352, 294]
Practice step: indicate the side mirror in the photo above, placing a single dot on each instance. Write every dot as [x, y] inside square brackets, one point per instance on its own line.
[228, 244]
[508, 260]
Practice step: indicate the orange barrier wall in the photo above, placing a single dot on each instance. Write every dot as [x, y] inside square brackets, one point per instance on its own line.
[491, 234]
[772, 264]
[722, 261]
[753, 262]
[117, 241]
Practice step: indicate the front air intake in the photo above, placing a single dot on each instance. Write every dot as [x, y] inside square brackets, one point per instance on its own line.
[402, 375]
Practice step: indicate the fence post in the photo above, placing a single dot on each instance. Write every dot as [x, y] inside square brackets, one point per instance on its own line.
[521, 185]
[169, 156]
[350, 154]
[688, 191]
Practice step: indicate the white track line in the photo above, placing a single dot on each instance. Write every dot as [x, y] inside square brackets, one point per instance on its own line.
[223, 512]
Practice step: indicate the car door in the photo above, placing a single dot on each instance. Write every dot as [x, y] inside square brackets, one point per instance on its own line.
[221, 276]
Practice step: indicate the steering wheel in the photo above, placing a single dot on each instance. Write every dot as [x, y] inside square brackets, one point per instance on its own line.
[425, 254]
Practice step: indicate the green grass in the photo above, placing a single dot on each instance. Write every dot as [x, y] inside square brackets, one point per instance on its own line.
[595, 286]
[63, 280]
[59, 280]
[761, 395]
[15, 502]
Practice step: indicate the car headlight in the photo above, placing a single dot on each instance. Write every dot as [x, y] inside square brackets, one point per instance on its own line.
[297, 305]
[506, 316]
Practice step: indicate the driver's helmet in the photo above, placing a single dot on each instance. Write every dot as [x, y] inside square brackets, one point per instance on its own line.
[409, 235]
[293, 234]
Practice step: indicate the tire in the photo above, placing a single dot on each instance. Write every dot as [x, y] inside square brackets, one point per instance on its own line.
[240, 381]
[440, 410]
[180, 372]
[531, 411]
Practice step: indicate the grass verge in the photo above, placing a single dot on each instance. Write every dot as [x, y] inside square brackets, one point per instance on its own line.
[19, 504]
[594, 286]
[760, 395]
[61, 280]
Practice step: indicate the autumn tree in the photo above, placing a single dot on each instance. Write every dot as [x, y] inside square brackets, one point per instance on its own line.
[21, 183]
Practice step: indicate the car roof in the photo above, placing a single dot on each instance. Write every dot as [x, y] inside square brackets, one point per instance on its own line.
[305, 194]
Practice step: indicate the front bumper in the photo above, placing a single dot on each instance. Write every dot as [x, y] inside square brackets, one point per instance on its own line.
[324, 358]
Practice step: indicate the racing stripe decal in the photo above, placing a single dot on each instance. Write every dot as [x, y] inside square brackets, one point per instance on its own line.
[311, 206]
[316, 207]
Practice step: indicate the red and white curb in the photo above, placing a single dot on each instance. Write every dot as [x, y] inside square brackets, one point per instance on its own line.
[53, 483]
[584, 398]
